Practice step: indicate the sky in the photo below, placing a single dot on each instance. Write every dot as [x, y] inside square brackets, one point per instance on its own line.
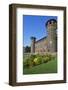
[34, 26]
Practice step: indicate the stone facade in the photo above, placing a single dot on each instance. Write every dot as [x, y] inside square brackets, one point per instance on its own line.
[33, 42]
[46, 44]
[41, 45]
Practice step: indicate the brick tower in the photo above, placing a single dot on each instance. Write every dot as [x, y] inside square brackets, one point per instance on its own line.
[51, 26]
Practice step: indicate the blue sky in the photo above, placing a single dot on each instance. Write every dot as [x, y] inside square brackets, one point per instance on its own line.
[34, 26]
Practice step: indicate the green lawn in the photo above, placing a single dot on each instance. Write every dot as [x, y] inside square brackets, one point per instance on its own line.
[49, 67]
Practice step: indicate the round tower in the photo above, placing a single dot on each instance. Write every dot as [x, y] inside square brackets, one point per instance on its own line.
[51, 26]
[33, 39]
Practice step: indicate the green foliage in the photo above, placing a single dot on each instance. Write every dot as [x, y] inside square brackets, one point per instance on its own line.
[47, 58]
[37, 60]
[49, 67]
[32, 57]
[27, 49]
[33, 60]
[26, 62]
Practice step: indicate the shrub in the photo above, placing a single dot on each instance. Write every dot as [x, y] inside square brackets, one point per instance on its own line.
[32, 57]
[47, 58]
[37, 60]
[54, 57]
[26, 63]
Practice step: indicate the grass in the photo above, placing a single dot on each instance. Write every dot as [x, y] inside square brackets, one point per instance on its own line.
[49, 67]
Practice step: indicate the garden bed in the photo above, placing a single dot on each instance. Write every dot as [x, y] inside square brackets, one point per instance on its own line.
[50, 67]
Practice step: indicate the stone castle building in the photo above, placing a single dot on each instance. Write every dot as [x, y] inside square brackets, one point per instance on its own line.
[48, 43]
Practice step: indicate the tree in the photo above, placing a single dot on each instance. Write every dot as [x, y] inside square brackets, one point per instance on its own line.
[27, 49]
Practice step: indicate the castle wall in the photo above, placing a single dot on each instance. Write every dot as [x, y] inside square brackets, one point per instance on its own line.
[41, 46]
[46, 44]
